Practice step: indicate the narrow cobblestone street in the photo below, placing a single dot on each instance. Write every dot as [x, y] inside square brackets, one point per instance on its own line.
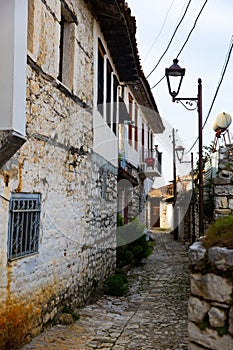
[152, 316]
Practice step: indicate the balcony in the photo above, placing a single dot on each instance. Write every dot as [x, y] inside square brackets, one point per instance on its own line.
[151, 163]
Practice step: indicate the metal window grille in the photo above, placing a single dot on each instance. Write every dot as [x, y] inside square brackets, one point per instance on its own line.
[24, 224]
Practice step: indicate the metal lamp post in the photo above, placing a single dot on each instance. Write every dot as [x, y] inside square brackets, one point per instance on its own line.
[176, 72]
[180, 153]
[175, 211]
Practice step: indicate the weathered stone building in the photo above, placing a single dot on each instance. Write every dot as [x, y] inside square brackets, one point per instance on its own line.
[65, 63]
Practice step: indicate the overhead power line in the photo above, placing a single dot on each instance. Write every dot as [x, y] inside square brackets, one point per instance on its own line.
[192, 29]
[228, 55]
[181, 20]
[227, 59]
[183, 46]
[164, 22]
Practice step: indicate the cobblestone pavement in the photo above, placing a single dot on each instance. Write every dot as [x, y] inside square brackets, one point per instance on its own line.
[152, 316]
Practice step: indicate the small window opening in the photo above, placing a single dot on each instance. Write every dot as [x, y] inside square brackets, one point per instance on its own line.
[24, 224]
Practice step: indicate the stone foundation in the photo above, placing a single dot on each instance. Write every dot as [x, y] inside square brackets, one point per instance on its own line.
[210, 309]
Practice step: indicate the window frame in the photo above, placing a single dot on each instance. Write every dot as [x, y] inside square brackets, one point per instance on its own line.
[100, 77]
[136, 128]
[23, 225]
[107, 98]
[130, 127]
[67, 57]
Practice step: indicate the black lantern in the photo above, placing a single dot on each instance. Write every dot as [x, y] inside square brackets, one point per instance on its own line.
[177, 72]
[179, 153]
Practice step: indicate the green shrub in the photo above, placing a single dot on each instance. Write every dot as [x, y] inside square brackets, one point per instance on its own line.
[120, 220]
[222, 330]
[130, 232]
[124, 257]
[116, 284]
[133, 245]
[220, 233]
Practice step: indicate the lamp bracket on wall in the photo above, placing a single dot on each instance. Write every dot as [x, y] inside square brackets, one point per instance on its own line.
[189, 103]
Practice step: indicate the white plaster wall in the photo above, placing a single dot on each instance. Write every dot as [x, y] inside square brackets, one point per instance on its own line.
[105, 141]
[13, 43]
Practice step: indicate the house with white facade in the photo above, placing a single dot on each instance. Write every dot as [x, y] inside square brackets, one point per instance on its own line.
[71, 86]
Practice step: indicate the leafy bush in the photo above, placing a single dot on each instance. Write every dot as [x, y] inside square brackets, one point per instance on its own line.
[116, 284]
[130, 232]
[124, 256]
[220, 233]
[133, 245]
[120, 220]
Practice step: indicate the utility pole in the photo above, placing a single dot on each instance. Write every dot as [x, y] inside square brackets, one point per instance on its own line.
[175, 214]
[193, 203]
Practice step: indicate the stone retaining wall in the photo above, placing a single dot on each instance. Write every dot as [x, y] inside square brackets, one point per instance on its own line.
[210, 308]
[223, 183]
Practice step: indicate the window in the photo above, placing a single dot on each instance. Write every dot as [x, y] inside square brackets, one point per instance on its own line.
[151, 141]
[108, 94]
[130, 128]
[24, 223]
[100, 96]
[61, 52]
[143, 142]
[115, 98]
[107, 89]
[136, 128]
[66, 49]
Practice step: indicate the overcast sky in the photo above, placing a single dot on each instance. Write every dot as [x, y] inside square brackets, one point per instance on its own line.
[203, 57]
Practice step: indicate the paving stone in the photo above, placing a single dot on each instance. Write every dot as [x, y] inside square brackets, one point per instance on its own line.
[153, 316]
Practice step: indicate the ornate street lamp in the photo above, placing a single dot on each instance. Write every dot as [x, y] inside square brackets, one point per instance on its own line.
[173, 73]
[180, 153]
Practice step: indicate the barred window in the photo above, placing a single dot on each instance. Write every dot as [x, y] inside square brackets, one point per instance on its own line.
[24, 224]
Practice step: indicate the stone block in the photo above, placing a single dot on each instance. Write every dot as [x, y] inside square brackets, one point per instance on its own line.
[217, 317]
[196, 252]
[230, 203]
[221, 190]
[197, 309]
[193, 346]
[222, 212]
[231, 320]
[209, 338]
[222, 258]
[221, 202]
[211, 287]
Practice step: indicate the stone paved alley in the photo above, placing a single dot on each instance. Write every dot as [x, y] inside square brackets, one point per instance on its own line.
[152, 316]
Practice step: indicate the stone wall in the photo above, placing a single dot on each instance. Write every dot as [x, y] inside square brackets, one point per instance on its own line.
[210, 305]
[223, 183]
[78, 194]
[210, 309]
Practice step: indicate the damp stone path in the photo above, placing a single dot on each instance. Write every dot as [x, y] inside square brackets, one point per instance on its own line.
[152, 316]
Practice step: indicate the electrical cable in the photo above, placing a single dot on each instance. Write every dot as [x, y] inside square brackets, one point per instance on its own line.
[194, 25]
[221, 78]
[181, 20]
[163, 24]
[195, 22]
[228, 55]
[157, 83]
